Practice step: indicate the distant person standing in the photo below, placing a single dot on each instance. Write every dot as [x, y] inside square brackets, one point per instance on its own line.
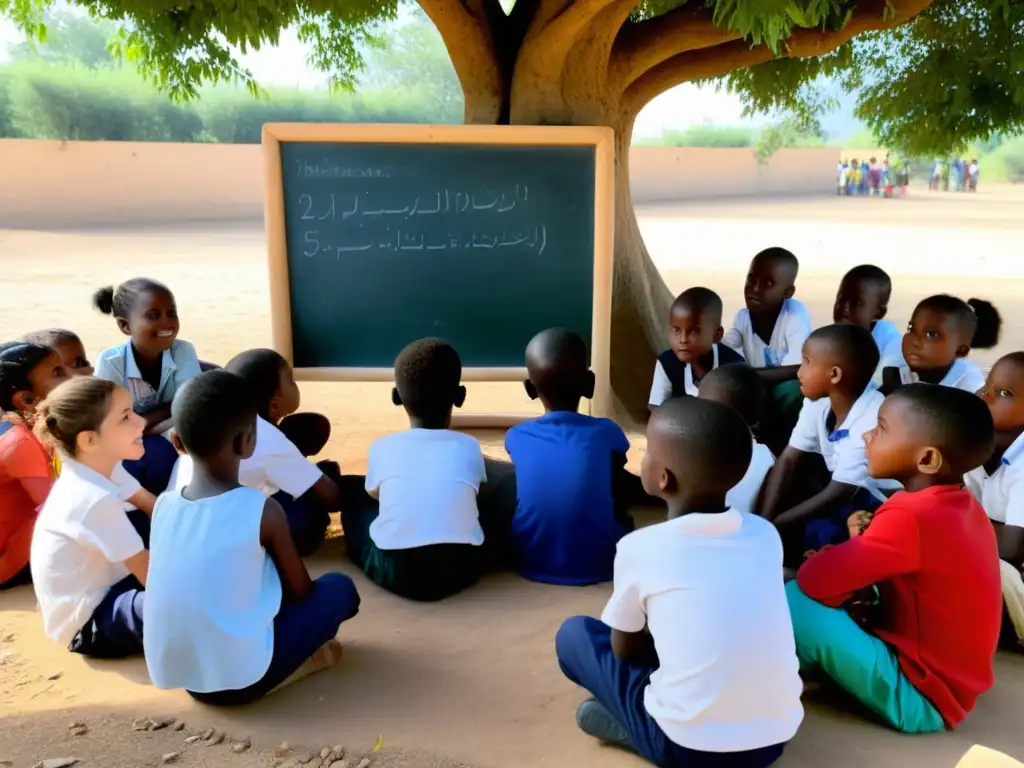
[865, 174]
[972, 176]
[937, 172]
[874, 176]
[904, 179]
[841, 173]
[853, 177]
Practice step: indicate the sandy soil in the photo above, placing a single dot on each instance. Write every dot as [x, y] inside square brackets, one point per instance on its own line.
[473, 679]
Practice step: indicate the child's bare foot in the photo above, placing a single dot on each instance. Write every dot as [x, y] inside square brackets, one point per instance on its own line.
[327, 656]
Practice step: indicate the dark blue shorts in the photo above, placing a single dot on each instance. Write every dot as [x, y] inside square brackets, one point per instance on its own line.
[300, 628]
[584, 649]
[153, 470]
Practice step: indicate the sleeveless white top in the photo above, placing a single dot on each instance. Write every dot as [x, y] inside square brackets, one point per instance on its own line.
[211, 595]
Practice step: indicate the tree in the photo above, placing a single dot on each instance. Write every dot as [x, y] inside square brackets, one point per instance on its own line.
[933, 73]
[69, 39]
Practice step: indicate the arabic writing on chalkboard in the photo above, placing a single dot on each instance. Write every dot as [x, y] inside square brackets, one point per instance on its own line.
[397, 240]
[444, 201]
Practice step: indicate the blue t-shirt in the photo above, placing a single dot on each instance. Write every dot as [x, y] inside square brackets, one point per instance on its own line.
[565, 530]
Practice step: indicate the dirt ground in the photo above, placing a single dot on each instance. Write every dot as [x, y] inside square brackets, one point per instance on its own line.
[474, 678]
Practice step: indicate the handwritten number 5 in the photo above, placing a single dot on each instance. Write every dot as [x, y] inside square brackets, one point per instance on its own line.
[311, 242]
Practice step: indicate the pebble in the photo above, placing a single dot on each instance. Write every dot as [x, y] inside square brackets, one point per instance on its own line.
[78, 729]
[208, 733]
[159, 723]
[56, 762]
[217, 738]
[6, 763]
[192, 739]
[179, 726]
[364, 763]
[55, 675]
[304, 758]
[339, 764]
[240, 746]
[170, 757]
[283, 749]
[287, 764]
[338, 751]
[325, 753]
[140, 724]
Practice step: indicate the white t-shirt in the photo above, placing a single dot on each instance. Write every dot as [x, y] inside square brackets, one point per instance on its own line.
[427, 481]
[709, 587]
[743, 495]
[963, 374]
[275, 465]
[890, 348]
[1002, 492]
[212, 593]
[786, 344]
[843, 449]
[81, 540]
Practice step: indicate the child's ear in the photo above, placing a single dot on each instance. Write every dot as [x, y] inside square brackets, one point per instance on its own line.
[460, 397]
[123, 325]
[396, 398]
[719, 334]
[790, 292]
[531, 390]
[963, 350]
[835, 375]
[589, 384]
[667, 482]
[178, 445]
[930, 460]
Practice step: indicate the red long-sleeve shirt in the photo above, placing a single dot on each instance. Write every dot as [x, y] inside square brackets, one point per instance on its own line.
[934, 558]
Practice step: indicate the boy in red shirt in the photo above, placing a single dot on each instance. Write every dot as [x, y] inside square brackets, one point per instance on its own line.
[931, 554]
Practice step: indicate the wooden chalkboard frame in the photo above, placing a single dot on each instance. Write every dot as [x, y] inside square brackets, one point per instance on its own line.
[600, 138]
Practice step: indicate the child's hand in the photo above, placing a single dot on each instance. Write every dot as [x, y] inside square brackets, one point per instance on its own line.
[858, 522]
[811, 552]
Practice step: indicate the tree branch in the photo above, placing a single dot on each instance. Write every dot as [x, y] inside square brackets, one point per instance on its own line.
[470, 45]
[724, 58]
[641, 46]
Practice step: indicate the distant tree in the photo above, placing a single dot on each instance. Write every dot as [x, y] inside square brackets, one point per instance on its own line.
[69, 38]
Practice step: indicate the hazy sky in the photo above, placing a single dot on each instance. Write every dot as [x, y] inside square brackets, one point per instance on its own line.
[285, 65]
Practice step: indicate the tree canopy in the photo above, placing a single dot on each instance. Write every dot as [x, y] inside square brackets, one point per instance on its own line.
[931, 73]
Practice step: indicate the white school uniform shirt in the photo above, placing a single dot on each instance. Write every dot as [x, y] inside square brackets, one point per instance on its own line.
[275, 465]
[1002, 492]
[211, 595]
[843, 448]
[786, 344]
[427, 481]
[178, 365]
[889, 339]
[743, 495]
[709, 587]
[81, 540]
[963, 374]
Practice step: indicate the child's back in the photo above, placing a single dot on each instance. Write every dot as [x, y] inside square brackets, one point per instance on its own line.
[213, 592]
[565, 527]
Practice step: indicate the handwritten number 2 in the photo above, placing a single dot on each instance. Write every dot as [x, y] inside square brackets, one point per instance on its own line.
[311, 242]
[308, 201]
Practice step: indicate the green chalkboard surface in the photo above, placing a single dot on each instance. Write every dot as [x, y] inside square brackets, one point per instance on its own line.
[482, 245]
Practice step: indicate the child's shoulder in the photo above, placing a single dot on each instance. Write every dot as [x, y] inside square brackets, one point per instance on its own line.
[181, 347]
[727, 355]
[114, 353]
[413, 437]
[797, 308]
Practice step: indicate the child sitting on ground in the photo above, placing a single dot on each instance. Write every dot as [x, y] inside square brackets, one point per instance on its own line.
[424, 540]
[808, 503]
[738, 386]
[726, 694]
[694, 336]
[567, 467]
[151, 365]
[931, 553]
[999, 485]
[942, 332]
[89, 558]
[67, 345]
[770, 333]
[28, 468]
[278, 465]
[261, 622]
[863, 299]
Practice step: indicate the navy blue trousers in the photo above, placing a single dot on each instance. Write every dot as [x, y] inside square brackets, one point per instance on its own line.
[115, 628]
[584, 649]
[153, 470]
[300, 628]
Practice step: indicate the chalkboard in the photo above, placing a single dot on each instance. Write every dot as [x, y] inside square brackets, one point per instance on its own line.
[480, 243]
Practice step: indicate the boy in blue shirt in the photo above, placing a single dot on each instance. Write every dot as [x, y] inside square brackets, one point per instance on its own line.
[567, 466]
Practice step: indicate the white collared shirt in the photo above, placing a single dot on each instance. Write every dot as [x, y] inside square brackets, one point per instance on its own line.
[786, 344]
[1002, 492]
[661, 387]
[275, 465]
[963, 374]
[700, 583]
[81, 540]
[843, 448]
[178, 365]
[890, 348]
[743, 495]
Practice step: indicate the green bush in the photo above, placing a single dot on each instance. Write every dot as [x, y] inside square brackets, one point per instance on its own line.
[704, 136]
[1006, 163]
